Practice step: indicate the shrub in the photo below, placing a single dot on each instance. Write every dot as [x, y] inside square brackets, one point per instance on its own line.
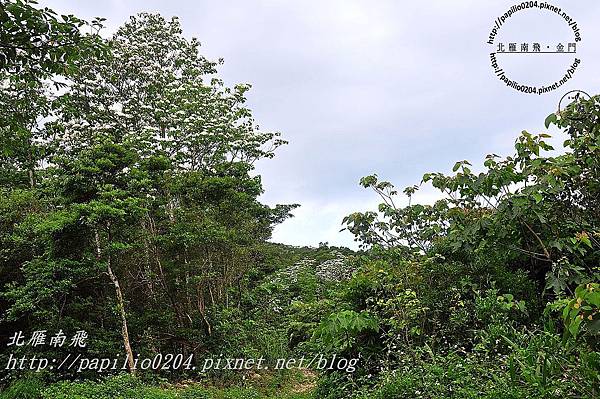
[25, 388]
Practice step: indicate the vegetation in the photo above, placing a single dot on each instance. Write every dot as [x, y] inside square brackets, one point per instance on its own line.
[129, 209]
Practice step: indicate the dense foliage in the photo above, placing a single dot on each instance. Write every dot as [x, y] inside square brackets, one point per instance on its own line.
[129, 209]
[492, 291]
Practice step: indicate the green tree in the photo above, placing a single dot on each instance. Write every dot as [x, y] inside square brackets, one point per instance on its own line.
[38, 50]
[145, 183]
[536, 211]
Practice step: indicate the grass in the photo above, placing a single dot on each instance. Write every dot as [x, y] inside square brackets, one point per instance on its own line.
[297, 385]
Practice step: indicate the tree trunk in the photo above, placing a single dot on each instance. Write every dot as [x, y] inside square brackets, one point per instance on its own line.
[31, 168]
[120, 304]
[202, 309]
[161, 275]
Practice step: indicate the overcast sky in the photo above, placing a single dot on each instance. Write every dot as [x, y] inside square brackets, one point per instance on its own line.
[362, 87]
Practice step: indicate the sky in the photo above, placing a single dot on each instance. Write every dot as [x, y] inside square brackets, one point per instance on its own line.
[360, 87]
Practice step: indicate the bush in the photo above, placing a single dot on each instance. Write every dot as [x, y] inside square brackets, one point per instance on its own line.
[122, 387]
[25, 388]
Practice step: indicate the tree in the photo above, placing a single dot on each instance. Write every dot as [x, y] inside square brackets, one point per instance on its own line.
[147, 184]
[528, 206]
[38, 51]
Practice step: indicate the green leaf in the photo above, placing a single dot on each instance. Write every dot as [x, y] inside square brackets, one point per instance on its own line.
[550, 119]
[574, 326]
